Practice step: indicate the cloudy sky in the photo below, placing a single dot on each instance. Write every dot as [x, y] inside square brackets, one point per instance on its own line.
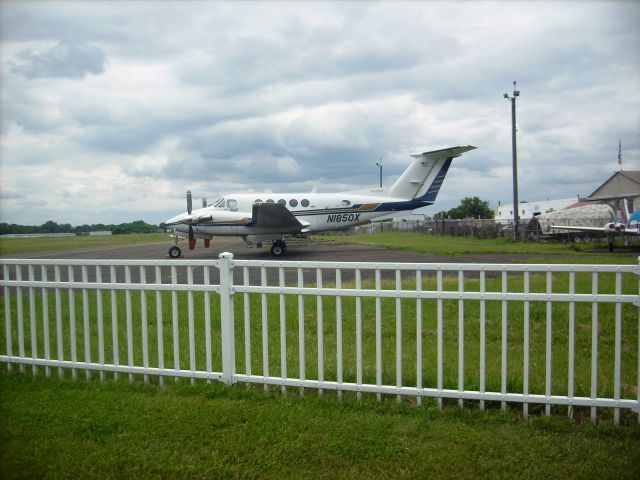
[112, 110]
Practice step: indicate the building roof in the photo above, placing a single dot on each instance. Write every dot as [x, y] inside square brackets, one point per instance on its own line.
[621, 184]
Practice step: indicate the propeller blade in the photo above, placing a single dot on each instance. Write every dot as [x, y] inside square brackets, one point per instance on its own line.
[192, 239]
[189, 202]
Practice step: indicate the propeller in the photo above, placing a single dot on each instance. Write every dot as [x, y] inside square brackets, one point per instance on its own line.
[192, 240]
[191, 220]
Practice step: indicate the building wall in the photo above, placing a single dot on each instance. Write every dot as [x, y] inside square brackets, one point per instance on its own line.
[504, 213]
[621, 184]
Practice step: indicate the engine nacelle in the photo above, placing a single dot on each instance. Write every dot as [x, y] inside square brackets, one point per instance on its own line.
[615, 227]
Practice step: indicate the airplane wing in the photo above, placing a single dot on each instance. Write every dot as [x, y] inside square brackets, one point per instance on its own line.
[276, 216]
[616, 230]
[579, 229]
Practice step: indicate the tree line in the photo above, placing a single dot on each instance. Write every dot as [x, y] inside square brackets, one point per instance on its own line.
[139, 226]
[470, 207]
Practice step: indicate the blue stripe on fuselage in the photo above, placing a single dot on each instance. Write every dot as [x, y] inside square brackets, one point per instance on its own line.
[383, 207]
[402, 206]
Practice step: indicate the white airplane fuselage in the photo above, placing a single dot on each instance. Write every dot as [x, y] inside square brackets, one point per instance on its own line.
[259, 217]
[320, 213]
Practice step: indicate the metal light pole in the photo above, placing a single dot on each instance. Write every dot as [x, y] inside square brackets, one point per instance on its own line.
[379, 164]
[516, 206]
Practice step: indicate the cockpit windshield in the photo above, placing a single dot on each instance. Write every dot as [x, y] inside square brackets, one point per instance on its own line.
[218, 203]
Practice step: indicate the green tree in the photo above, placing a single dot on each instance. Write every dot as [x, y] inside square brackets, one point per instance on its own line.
[50, 227]
[471, 207]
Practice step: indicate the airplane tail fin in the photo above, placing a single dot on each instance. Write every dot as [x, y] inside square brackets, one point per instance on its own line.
[423, 178]
[624, 211]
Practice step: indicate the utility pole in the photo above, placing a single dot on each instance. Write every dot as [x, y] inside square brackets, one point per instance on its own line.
[379, 164]
[516, 206]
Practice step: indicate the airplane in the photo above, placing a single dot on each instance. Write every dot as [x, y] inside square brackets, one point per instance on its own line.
[611, 229]
[275, 217]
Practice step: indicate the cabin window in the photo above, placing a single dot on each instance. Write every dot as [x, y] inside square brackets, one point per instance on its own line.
[293, 203]
[282, 201]
[346, 203]
[304, 202]
[270, 200]
[232, 205]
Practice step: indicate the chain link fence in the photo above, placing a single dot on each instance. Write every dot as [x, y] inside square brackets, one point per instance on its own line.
[530, 229]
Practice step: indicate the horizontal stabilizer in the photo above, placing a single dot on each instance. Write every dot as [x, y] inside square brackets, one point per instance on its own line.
[452, 152]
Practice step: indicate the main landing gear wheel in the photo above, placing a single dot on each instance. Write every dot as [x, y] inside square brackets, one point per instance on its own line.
[175, 252]
[278, 248]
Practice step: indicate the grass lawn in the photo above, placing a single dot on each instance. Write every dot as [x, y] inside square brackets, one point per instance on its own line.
[595, 252]
[65, 429]
[12, 246]
[60, 428]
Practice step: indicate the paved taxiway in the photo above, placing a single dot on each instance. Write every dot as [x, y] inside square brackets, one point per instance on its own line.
[316, 251]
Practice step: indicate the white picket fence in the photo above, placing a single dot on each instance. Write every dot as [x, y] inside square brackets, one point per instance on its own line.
[400, 329]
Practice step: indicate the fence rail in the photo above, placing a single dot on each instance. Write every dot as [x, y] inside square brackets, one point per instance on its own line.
[535, 335]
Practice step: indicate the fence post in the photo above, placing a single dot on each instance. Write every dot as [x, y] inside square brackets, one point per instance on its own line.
[226, 318]
[638, 370]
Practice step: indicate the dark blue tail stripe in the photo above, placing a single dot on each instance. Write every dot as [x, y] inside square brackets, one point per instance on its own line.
[432, 193]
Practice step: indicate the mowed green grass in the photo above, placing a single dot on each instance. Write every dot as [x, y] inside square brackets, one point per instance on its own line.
[60, 428]
[12, 246]
[549, 252]
[65, 429]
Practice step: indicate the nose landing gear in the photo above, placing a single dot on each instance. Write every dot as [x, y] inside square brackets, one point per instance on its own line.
[174, 251]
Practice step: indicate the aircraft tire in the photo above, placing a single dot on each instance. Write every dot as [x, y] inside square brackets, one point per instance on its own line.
[278, 248]
[175, 252]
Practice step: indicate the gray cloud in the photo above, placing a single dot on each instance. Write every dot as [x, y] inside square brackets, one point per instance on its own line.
[60, 61]
[288, 96]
